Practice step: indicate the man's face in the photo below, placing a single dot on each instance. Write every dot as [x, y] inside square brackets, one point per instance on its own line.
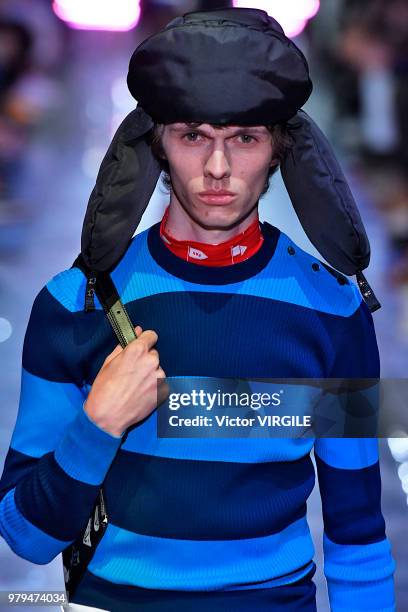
[236, 159]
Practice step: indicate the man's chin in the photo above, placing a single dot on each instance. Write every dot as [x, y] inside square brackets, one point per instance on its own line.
[219, 219]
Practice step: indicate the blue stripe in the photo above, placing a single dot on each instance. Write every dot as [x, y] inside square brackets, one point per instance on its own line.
[347, 453]
[363, 361]
[49, 497]
[68, 288]
[24, 538]
[143, 439]
[46, 409]
[358, 563]
[167, 563]
[352, 503]
[51, 416]
[57, 351]
[206, 500]
[361, 574]
[149, 279]
[304, 348]
[86, 451]
[94, 591]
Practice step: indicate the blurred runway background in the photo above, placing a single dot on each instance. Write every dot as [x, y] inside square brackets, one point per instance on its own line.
[63, 93]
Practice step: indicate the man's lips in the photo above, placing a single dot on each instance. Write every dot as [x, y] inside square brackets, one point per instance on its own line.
[215, 192]
[217, 199]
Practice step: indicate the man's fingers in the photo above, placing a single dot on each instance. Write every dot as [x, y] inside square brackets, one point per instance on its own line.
[138, 330]
[148, 338]
[113, 354]
[118, 349]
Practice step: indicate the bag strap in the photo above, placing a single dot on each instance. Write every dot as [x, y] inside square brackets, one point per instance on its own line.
[77, 556]
[101, 284]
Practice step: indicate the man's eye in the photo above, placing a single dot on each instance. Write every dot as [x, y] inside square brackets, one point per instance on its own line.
[186, 136]
[194, 136]
[247, 136]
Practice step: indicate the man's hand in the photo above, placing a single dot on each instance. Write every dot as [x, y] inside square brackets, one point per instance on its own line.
[125, 389]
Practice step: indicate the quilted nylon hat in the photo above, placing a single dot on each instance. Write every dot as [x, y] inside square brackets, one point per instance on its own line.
[225, 66]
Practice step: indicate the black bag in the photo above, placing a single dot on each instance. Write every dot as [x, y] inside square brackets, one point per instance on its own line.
[77, 555]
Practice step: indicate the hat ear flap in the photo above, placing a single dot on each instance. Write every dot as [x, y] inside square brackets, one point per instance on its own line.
[322, 198]
[125, 183]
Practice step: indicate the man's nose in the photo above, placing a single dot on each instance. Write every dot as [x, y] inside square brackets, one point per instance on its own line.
[217, 164]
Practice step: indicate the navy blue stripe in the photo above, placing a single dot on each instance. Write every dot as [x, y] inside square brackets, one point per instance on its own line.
[204, 275]
[352, 503]
[24, 538]
[79, 339]
[237, 323]
[16, 466]
[94, 591]
[357, 353]
[206, 500]
[216, 323]
[53, 501]
[219, 324]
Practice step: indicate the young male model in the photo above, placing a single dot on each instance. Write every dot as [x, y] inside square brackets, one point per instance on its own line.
[198, 524]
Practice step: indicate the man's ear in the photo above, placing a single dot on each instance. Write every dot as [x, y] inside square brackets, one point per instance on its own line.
[274, 162]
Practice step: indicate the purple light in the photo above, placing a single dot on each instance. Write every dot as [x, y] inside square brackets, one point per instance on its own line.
[117, 15]
[293, 16]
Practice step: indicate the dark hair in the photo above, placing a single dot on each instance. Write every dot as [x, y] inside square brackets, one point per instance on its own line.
[281, 139]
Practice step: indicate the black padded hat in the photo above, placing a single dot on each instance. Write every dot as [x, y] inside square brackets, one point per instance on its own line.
[231, 66]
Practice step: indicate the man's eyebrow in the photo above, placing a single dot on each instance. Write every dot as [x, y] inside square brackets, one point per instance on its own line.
[235, 130]
[177, 128]
[251, 128]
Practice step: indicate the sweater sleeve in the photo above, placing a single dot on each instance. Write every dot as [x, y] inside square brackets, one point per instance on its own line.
[58, 457]
[358, 562]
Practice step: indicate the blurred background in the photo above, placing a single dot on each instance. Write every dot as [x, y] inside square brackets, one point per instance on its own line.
[63, 93]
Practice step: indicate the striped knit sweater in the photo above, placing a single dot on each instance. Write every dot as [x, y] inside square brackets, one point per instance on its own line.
[199, 514]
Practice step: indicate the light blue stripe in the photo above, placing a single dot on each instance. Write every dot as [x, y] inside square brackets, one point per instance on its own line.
[68, 288]
[347, 453]
[124, 557]
[51, 417]
[358, 562]
[143, 439]
[23, 537]
[287, 278]
[375, 596]
[362, 574]
[86, 451]
[46, 408]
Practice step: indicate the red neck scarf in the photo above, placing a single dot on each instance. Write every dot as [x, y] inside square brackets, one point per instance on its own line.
[236, 249]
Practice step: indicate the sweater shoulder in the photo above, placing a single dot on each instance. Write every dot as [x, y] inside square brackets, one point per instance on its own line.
[68, 286]
[317, 284]
[68, 289]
